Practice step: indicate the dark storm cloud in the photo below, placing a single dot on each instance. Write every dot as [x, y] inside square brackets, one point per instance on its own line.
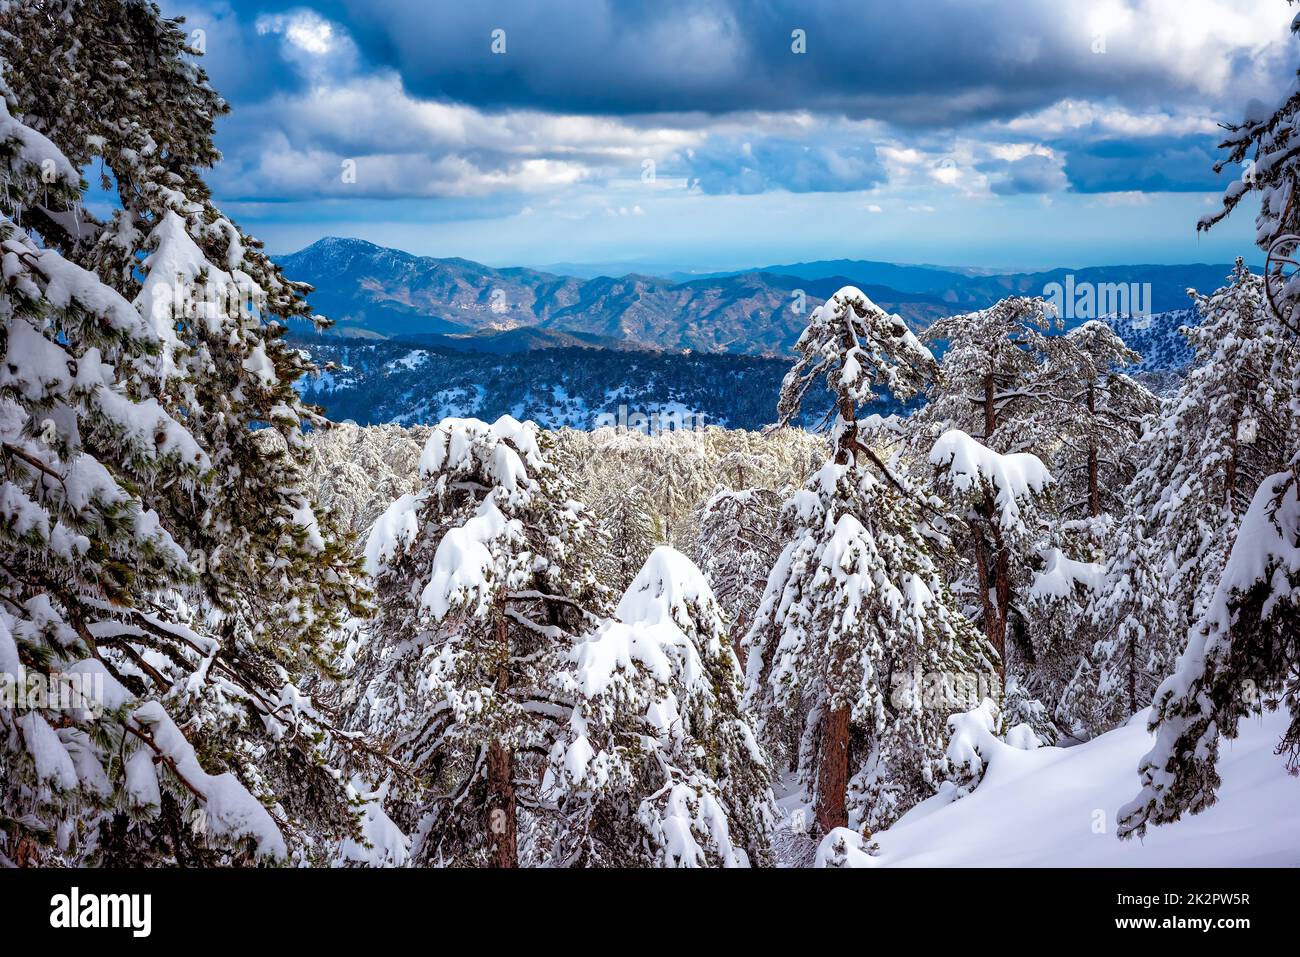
[1029, 96]
[939, 62]
[1148, 164]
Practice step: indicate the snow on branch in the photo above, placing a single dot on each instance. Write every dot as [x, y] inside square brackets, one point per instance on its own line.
[1061, 576]
[1013, 479]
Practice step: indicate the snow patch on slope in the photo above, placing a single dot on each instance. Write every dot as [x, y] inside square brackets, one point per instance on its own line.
[1054, 807]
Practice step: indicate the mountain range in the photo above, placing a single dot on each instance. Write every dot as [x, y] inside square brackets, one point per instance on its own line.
[374, 292]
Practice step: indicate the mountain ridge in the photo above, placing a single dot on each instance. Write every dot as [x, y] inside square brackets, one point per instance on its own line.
[373, 291]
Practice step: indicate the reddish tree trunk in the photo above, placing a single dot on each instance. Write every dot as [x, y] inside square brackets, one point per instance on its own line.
[1002, 594]
[502, 822]
[833, 759]
[991, 559]
[833, 771]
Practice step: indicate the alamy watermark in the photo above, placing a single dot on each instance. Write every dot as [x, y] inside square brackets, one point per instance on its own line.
[57, 691]
[652, 423]
[948, 691]
[1093, 300]
[133, 912]
[212, 299]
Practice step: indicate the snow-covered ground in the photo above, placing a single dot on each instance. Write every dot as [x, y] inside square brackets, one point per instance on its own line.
[1056, 807]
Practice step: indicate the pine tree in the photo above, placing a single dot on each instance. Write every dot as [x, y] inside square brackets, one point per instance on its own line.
[1223, 432]
[658, 765]
[855, 614]
[999, 499]
[485, 582]
[256, 583]
[989, 383]
[736, 547]
[990, 387]
[1089, 415]
[1243, 650]
[1096, 414]
[631, 534]
[1199, 456]
[1131, 618]
[79, 545]
[1240, 657]
[132, 99]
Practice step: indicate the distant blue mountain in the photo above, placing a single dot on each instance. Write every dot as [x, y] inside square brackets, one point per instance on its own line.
[968, 289]
[374, 292]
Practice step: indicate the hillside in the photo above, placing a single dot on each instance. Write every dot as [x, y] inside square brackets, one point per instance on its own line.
[374, 292]
[409, 383]
[1055, 806]
[371, 291]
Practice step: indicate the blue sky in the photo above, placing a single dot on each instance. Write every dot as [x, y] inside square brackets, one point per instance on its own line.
[994, 133]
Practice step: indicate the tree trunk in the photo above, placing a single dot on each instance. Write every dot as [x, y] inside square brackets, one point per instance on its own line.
[502, 819]
[737, 637]
[502, 823]
[1002, 594]
[991, 559]
[833, 771]
[847, 453]
[833, 760]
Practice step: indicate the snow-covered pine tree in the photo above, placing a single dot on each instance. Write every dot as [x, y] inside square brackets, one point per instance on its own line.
[736, 547]
[1199, 459]
[1095, 412]
[81, 549]
[228, 639]
[999, 498]
[855, 616]
[1240, 657]
[1131, 618]
[659, 765]
[484, 582]
[989, 381]
[1243, 652]
[990, 388]
[1224, 431]
[631, 534]
[113, 81]
[1087, 416]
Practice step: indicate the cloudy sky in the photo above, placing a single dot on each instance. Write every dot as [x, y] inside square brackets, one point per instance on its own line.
[719, 133]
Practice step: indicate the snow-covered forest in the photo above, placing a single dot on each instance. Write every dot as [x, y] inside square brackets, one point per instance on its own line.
[1046, 594]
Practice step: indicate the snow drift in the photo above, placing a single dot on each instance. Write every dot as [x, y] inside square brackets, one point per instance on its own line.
[1056, 807]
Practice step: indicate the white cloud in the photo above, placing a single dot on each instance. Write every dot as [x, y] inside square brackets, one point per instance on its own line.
[1069, 116]
[1125, 198]
[408, 147]
[303, 28]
